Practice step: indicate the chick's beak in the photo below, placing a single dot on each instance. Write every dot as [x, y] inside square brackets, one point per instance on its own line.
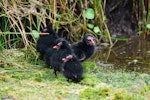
[43, 33]
[59, 44]
[64, 59]
[91, 42]
[70, 57]
[56, 47]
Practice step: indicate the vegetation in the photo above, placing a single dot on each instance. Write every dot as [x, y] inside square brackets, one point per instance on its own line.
[25, 80]
[23, 76]
[20, 19]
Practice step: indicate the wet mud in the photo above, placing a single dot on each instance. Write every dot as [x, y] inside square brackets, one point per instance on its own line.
[131, 55]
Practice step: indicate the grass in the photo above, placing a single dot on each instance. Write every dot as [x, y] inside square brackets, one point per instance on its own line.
[23, 79]
[24, 16]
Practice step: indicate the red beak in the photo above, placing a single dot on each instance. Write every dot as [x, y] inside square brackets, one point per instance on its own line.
[43, 33]
[69, 56]
[64, 59]
[56, 47]
[91, 42]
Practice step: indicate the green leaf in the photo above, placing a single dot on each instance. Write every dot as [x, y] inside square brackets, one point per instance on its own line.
[148, 26]
[105, 17]
[105, 44]
[121, 39]
[90, 26]
[148, 51]
[35, 34]
[96, 29]
[89, 13]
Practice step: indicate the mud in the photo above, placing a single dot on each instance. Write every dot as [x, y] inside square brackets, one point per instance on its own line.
[131, 55]
[121, 18]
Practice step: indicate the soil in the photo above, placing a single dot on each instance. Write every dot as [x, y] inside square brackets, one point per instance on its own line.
[122, 20]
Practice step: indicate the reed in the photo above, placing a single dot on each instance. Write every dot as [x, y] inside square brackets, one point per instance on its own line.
[143, 14]
[20, 17]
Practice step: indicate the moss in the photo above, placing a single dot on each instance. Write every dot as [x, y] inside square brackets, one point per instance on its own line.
[89, 93]
[96, 93]
[90, 79]
[90, 67]
[121, 95]
[29, 80]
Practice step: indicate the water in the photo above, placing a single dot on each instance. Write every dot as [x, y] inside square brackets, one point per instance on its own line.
[132, 55]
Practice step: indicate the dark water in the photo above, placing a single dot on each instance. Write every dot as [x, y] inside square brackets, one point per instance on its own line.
[131, 55]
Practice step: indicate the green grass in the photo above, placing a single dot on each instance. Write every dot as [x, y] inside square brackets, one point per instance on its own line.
[23, 79]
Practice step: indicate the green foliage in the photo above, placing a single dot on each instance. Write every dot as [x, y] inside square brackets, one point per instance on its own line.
[89, 13]
[30, 15]
[120, 39]
[90, 79]
[1, 44]
[23, 79]
[148, 26]
[5, 23]
[96, 29]
[122, 94]
[90, 67]
[91, 26]
[22, 76]
[96, 93]
[35, 34]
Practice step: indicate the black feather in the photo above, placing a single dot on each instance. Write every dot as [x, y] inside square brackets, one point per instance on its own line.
[46, 40]
[55, 60]
[52, 51]
[71, 67]
[84, 49]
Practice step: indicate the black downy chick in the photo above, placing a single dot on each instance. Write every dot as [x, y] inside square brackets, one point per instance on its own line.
[55, 59]
[72, 68]
[86, 48]
[60, 61]
[52, 50]
[46, 40]
[65, 61]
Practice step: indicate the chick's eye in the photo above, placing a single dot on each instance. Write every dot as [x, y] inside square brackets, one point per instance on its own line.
[89, 40]
[45, 30]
